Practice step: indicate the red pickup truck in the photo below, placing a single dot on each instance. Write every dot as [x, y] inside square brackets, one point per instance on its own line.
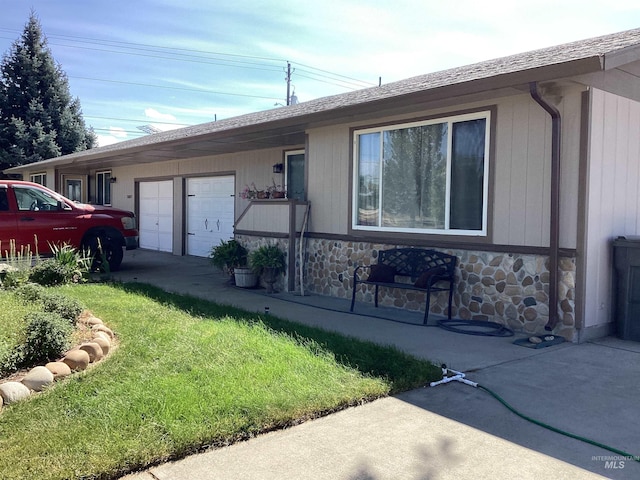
[31, 213]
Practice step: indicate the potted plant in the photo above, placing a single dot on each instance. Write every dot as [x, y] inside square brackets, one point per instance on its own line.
[268, 261]
[231, 256]
[276, 191]
[249, 192]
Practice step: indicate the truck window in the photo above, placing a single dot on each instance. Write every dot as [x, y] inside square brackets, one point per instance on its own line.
[34, 200]
[4, 201]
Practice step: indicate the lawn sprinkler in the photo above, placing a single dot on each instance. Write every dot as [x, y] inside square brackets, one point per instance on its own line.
[449, 375]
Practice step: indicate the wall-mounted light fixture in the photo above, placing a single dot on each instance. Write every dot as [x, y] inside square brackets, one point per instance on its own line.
[278, 167]
[112, 180]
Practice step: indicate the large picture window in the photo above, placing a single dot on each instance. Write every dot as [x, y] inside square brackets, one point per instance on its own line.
[424, 177]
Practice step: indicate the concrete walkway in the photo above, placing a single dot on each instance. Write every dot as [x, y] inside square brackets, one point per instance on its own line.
[451, 431]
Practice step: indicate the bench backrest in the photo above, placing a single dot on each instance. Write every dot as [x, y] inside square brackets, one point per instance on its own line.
[411, 262]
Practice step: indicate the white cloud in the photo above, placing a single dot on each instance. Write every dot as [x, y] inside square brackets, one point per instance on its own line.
[156, 115]
[116, 134]
[164, 121]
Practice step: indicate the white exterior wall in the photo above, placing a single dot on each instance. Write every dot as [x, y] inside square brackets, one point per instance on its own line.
[612, 204]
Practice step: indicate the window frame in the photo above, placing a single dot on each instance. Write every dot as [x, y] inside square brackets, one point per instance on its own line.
[39, 178]
[483, 234]
[66, 188]
[287, 173]
[106, 185]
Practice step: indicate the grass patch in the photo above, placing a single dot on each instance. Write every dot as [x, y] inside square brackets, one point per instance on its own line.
[189, 374]
[12, 324]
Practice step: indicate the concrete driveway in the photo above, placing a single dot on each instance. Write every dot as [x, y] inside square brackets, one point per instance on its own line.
[450, 431]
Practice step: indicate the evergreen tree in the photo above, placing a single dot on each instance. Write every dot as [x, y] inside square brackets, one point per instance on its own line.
[38, 117]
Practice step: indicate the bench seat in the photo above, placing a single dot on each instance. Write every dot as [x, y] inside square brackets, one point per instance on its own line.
[422, 269]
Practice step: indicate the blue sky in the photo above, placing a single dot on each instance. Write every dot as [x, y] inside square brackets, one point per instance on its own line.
[170, 63]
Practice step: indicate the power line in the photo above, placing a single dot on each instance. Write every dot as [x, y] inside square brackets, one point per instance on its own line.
[140, 84]
[164, 57]
[338, 75]
[118, 42]
[117, 130]
[331, 77]
[201, 57]
[147, 120]
[351, 86]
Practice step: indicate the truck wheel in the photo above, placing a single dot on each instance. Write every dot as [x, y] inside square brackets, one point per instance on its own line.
[112, 253]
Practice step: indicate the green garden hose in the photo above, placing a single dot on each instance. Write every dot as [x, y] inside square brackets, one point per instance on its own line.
[557, 430]
[460, 377]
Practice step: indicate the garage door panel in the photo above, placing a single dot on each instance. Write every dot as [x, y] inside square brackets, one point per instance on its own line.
[165, 204]
[156, 215]
[210, 213]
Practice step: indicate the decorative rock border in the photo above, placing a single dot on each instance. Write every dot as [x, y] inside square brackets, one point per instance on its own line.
[99, 344]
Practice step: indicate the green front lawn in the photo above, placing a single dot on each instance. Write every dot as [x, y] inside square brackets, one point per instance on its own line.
[189, 374]
[12, 324]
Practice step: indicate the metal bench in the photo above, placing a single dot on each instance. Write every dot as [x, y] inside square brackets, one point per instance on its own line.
[428, 271]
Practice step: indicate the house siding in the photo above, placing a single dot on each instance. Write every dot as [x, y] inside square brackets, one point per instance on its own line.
[612, 205]
[248, 167]
[328, 165]
[509, 286]
[520, 170]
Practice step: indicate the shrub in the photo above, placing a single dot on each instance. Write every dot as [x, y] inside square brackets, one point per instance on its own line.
[67, 308]
[5, 351]
[267, 256]
[16, 264]
[15, 278]
[70, 256]
[51, 272]
[47, 337]
[30, 292]
[11, 359]
[229, 254]
[52, 302]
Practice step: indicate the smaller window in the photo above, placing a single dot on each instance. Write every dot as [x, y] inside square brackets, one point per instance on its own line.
[103, 188]
[74, 189]
[40, 178]
[4, 201]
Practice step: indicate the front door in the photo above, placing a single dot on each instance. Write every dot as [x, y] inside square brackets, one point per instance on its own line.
[295, 175]
[210, 213]
[73, 189]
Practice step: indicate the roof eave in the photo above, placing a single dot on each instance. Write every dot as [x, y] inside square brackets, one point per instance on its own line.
[338, 111]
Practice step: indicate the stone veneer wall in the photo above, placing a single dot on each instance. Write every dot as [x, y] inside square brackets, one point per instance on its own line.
[509, 288]
[252, 243]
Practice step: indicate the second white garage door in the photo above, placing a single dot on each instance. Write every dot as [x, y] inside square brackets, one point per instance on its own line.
[210, 213]
[156, 215]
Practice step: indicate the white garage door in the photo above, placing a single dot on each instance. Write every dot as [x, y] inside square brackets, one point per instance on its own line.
[156, 215]
[210, 213]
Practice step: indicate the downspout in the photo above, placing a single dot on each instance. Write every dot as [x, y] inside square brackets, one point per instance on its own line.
[554, 227]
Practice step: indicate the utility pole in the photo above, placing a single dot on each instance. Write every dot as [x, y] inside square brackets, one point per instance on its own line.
[288, 79]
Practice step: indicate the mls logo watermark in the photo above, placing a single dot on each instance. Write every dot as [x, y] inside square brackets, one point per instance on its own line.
[614, 462]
